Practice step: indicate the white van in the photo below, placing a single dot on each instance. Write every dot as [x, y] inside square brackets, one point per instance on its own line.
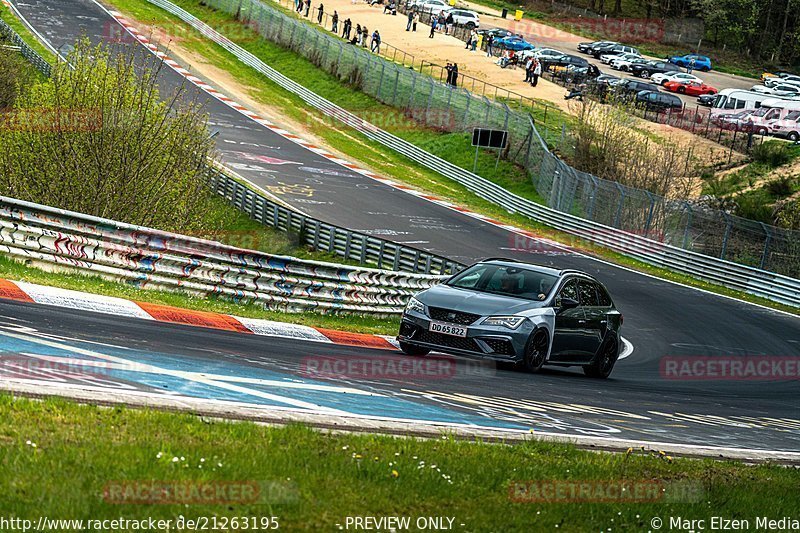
[771, 110]
[788, 126]
[734, 100]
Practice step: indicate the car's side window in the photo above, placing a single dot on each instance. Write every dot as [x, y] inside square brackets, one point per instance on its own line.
[569, 290]
[588, 294]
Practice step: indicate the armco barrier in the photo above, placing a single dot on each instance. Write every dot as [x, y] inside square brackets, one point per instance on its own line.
[736, 276]
[8, 33]
[151, 258]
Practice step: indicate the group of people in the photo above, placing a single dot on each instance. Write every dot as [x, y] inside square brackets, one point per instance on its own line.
[361, 35]
[533, 69]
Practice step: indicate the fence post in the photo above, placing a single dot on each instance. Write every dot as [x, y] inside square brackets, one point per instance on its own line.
[430, 98]
[689, 215]
[729, 221]
[595, 186]
[466, 111]
[621, 204]
[396, 81]
[649, 214]
[765, 253]
[380, 81]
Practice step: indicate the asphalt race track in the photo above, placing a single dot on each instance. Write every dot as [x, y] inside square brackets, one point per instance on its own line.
[661, 319]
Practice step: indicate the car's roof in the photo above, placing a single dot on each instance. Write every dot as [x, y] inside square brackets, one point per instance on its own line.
[538, 268]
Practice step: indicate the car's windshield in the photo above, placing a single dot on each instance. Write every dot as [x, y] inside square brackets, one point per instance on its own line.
[515, 281]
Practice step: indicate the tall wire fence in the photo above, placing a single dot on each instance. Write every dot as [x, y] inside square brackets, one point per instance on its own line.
[685, 224]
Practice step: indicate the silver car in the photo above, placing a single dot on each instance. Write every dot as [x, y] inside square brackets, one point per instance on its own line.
[516, 312]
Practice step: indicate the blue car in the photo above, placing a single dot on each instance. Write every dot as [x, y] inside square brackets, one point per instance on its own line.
[702, 63]
[515, 43]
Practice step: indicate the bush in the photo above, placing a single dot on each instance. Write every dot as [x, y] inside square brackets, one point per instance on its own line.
[772, 153]
[100, 140]
[781, 187]
[15, 75]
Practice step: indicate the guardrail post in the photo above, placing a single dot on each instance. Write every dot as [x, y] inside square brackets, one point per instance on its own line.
[428, 263]
[381, 249]
[347, 243]
[332, 240]
[364, 241]
[724, 251]
[396, 261]
[317, 230]
[621, 204]
[765, 252]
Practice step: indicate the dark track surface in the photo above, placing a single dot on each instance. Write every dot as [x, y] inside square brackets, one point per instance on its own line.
[661, 319]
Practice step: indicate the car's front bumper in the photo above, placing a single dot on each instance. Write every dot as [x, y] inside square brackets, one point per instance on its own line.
[490, 342]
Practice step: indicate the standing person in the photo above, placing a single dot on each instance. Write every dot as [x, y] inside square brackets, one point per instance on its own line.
[449, 69]
[364, 36]
[335, 22]
[300, 6]
[358, 33]
[415, 20]
[376, 42]
[308, 7]
[474, 40]
[448, 23]
[410, 19]
[528, 69]
[319, 15]
[690, 66]
[348, 27]
[489, 43]
[454, 76]
[434, 22]
[469, 41]
[537, 71]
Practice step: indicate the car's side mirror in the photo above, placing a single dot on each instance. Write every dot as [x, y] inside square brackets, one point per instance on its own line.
[568, 303]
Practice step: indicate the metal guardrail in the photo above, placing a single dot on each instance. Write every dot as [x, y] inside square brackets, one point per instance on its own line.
[147, 257]
[350, 245]
[719, 271]
[8, 33]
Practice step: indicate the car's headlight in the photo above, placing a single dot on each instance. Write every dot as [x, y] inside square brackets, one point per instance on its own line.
[510, 322]
[415, 305]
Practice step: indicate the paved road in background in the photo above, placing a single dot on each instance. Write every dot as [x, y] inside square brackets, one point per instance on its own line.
[661, 319]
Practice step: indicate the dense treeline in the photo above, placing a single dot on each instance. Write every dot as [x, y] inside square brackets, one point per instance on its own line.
[766, 30]
[97, 137]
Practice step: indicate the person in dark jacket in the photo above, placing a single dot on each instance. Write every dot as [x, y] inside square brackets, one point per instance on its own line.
[335, 22]
[319, 15]
[454, 78]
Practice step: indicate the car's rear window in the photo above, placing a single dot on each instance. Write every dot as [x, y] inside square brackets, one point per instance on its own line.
[518, 282]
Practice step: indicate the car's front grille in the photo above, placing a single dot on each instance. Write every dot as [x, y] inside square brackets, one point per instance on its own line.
[454, 317]
[449, 341]
[500, 346]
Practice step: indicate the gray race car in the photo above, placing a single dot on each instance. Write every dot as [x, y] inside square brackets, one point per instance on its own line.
[516, 312]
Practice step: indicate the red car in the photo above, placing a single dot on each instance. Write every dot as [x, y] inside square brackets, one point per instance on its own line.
[692, 89]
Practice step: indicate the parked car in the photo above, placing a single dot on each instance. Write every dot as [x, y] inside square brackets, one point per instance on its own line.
[777, 90]
[663, 77]
[612, 50]
[564, 60]
[735, 121]
[706, 99]
[497, 33]
[771, 111]
[464, 17]
[691, 88]
[515, 43]
[786, 79]
[516, 312]
[766, 75]
[624, 62]
[788, 127]
[431, 6]
[627, 89]
[645, 70]
[542, 54]
[587, 47]
[657, 101]
[702, 63]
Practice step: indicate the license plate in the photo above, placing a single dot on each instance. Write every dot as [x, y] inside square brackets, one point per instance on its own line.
[448, 329]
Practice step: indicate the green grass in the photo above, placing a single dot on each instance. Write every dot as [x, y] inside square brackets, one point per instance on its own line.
[59, 457]
[16, 24]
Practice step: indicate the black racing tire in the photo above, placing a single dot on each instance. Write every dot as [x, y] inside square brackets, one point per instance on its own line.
[412, 350]
[793, 136]
[603, 363]
[536, 351]
[645, 73]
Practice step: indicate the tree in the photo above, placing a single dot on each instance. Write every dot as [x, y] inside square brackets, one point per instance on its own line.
[100, 140]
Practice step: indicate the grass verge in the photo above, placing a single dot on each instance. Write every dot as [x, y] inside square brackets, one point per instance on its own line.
[60, 459]
[16, 24]
[361, 149]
